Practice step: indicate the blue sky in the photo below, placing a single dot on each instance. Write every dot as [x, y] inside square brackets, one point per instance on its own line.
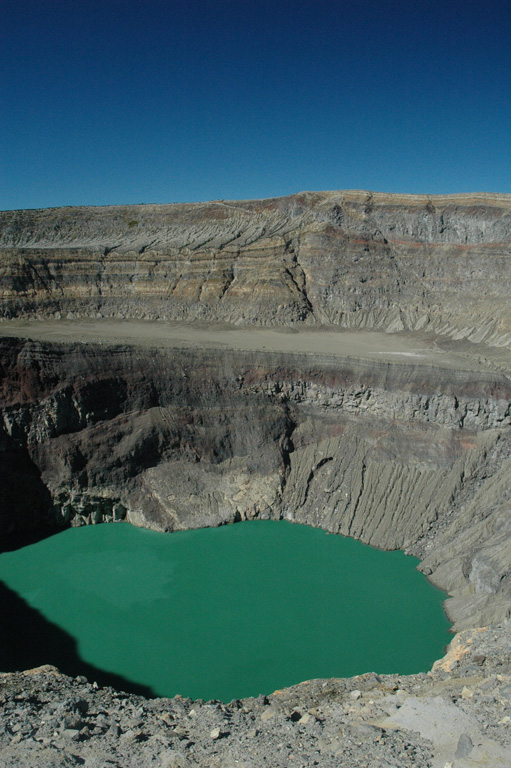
[117, 101]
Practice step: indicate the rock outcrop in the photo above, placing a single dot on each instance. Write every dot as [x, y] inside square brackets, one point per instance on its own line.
[455, 715]
[397, 455]
[398, 449]
[353, 259]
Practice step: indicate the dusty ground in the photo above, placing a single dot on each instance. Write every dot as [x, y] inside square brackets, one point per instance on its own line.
[423, 349]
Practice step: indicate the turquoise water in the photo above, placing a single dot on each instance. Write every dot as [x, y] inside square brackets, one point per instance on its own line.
[233, 611]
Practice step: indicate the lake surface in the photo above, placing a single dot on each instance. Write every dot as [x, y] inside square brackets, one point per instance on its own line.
[229, 612]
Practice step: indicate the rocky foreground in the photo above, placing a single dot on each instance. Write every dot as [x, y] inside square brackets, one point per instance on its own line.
[458, 715]
[392, 425]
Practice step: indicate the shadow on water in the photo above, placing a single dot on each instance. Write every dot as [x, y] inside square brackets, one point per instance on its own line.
[28, 639]
[13, 541]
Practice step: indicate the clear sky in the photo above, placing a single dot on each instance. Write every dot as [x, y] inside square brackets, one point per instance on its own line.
[127, 101]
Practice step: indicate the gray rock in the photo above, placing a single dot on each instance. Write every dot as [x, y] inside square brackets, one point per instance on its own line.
[402, 440]
[465, 746]
[71, 733]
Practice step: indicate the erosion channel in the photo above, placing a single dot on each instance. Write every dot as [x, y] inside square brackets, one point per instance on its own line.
[335, 359]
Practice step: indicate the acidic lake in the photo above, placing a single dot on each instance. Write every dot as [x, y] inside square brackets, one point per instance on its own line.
[219, 613]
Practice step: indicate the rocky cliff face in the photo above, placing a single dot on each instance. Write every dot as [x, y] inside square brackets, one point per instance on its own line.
[399, 450]
[186, 438]
[353, 259]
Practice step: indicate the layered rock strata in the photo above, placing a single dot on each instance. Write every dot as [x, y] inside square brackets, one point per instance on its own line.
[402, 450]
[397, 455]
[353, 259]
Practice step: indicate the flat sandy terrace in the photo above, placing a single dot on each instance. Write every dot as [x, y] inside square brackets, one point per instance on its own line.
[406, 348]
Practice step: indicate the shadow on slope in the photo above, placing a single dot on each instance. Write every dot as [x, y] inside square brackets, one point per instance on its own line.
[25, 501]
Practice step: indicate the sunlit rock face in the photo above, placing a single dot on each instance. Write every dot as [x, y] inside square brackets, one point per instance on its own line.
[400, 438]
[398, 455]
[353, 259]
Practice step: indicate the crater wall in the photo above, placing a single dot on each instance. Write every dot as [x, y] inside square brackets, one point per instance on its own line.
[352, 259]
[396, 447]
[172, 439]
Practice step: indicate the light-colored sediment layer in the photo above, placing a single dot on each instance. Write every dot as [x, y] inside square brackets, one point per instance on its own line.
[350, 259]
[331, 341]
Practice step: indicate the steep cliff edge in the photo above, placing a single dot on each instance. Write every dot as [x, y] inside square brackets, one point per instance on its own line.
[397, 454]
[352, 259]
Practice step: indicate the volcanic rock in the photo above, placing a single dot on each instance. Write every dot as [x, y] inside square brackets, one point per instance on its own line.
[336, 359]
